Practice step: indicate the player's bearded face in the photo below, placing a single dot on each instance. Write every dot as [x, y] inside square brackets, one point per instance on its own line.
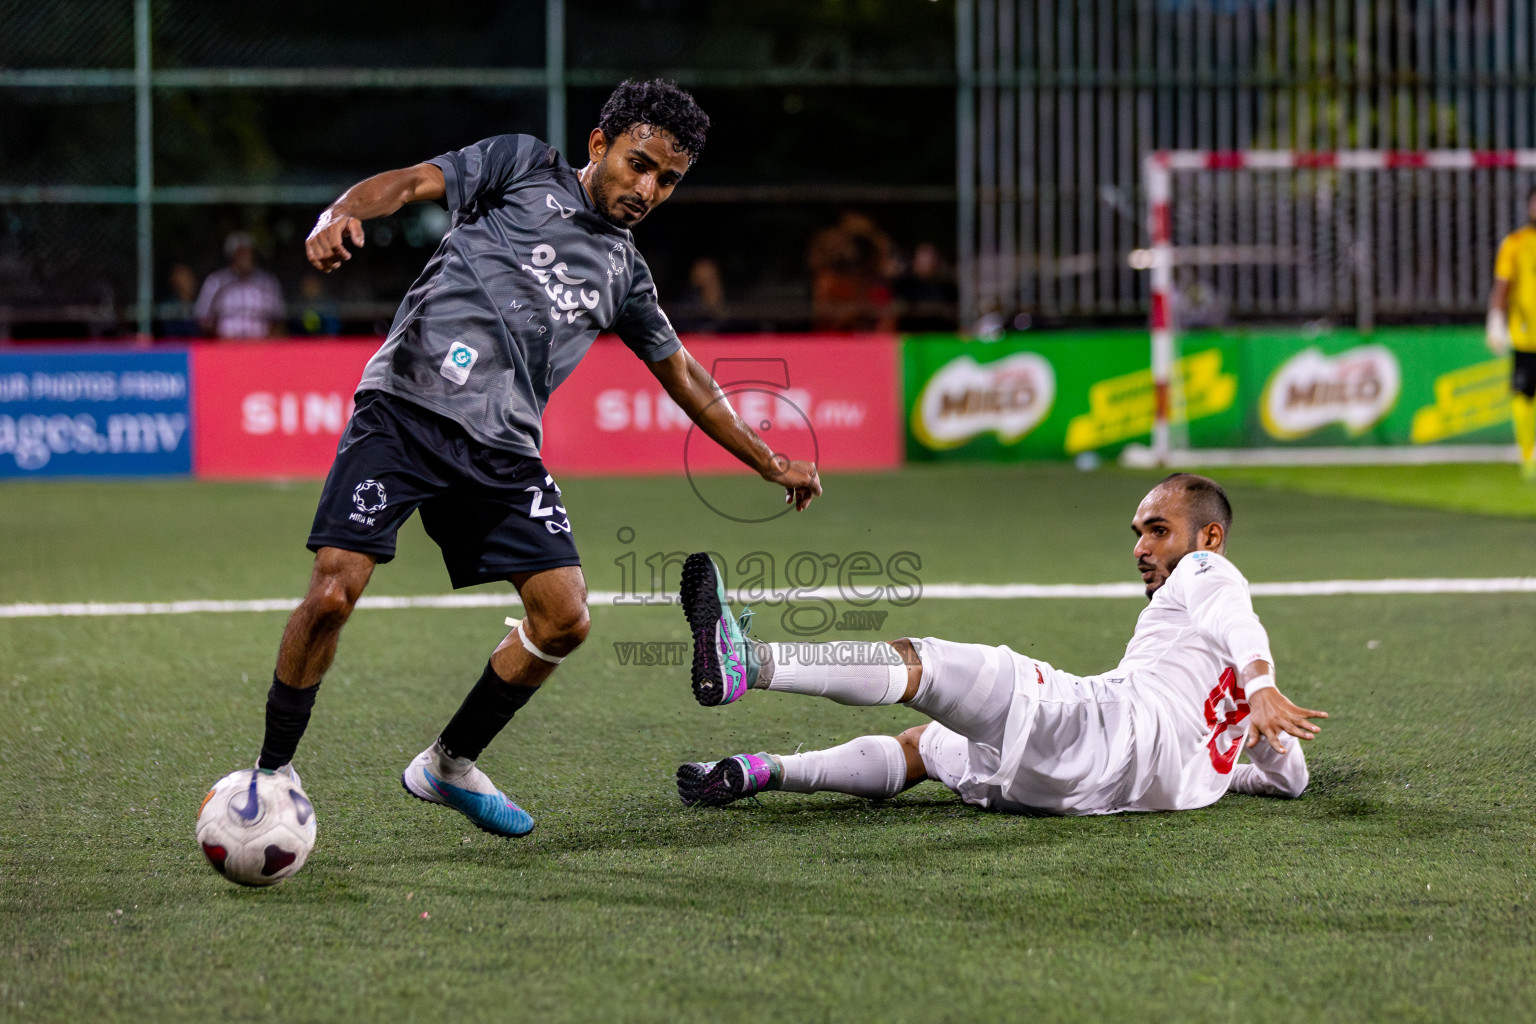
[607, 195]
[1163, 536]
[636, 173]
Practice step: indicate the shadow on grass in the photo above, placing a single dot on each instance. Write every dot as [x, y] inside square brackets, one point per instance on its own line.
[1340, 778]
[664, 827]
[652, 837]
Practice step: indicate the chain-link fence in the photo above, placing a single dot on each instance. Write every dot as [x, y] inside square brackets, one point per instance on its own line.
[136, 135]
[1060, 100]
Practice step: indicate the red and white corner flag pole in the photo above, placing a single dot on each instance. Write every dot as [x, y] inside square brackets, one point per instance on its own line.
[1156, 179]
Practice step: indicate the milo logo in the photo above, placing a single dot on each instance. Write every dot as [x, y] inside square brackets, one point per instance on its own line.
[965, 398]
[1310, 390]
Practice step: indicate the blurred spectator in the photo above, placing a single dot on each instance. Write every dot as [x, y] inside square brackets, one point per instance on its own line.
[316, 313]
[101, 318]
[178, 317]
[702, 306]
[1197, 303]
[926, 297]
[990, 326]
[240, 300]
[850, 266]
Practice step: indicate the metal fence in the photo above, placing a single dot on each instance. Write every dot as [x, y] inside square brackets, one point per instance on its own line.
[1055, 103]
[71, 250]
[1059, 100]
[187, 120]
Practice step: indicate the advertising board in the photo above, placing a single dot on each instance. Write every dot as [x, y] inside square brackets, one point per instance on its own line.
[277, 409]
[834, 399]
[94, 412]
[1058, 395]
[273, 408]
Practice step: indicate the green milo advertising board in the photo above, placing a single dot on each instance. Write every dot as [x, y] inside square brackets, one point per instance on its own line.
[1059, 395]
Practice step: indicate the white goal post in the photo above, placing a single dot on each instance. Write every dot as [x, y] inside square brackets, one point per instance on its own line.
[1337, 194]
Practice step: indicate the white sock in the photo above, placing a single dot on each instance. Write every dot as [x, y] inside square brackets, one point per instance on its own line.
[874, 767]
[448, 767]
[852, 672]
[460, 771]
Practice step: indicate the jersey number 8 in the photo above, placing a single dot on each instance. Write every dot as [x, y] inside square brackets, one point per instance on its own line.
[1225, 708]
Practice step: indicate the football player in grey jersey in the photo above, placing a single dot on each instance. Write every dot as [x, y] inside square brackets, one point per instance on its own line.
[538, 259]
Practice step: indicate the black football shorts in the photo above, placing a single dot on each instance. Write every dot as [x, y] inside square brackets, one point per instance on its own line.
[493, 513]
[1523, 376]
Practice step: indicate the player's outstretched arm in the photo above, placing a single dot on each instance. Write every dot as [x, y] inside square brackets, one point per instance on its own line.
[378, 196]
[1272, 715]
[697, 394]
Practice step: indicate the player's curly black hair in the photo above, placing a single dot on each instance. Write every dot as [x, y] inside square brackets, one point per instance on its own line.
[660, 104]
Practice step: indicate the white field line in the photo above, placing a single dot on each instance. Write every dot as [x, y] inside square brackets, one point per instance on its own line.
[1142, 457]
[933, 591]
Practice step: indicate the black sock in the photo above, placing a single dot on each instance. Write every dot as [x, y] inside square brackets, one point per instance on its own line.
[487, 709]
[287, 718]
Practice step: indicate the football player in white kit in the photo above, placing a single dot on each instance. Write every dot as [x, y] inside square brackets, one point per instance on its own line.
[1162, 731]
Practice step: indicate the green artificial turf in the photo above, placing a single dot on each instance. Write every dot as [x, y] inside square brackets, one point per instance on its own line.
[1489, 489]
[1399, 888]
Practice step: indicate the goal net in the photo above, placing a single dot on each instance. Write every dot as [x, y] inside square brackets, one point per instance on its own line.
[1327, 307]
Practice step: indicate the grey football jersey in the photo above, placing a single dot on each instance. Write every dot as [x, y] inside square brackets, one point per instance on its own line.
[526, 277]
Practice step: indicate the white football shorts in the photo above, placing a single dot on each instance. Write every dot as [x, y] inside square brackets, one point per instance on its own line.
[1014, 734]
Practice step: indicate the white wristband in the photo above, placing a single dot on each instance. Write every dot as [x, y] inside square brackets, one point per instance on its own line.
[1257, 683]
[1498, 331]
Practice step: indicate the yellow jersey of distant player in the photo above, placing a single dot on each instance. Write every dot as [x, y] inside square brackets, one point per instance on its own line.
[1516, 264]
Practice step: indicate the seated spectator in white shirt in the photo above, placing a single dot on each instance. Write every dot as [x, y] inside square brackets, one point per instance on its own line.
[240, 300]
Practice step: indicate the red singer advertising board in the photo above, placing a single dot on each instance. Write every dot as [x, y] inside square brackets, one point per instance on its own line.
[277, 408]
[272, 408]
[828, 398]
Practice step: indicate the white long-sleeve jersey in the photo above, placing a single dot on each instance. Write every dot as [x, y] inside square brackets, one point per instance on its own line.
[1161, 732]
[1196, 634]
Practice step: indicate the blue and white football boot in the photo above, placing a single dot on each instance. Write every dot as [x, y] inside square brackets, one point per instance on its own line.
[725, 665]
[455, 782]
